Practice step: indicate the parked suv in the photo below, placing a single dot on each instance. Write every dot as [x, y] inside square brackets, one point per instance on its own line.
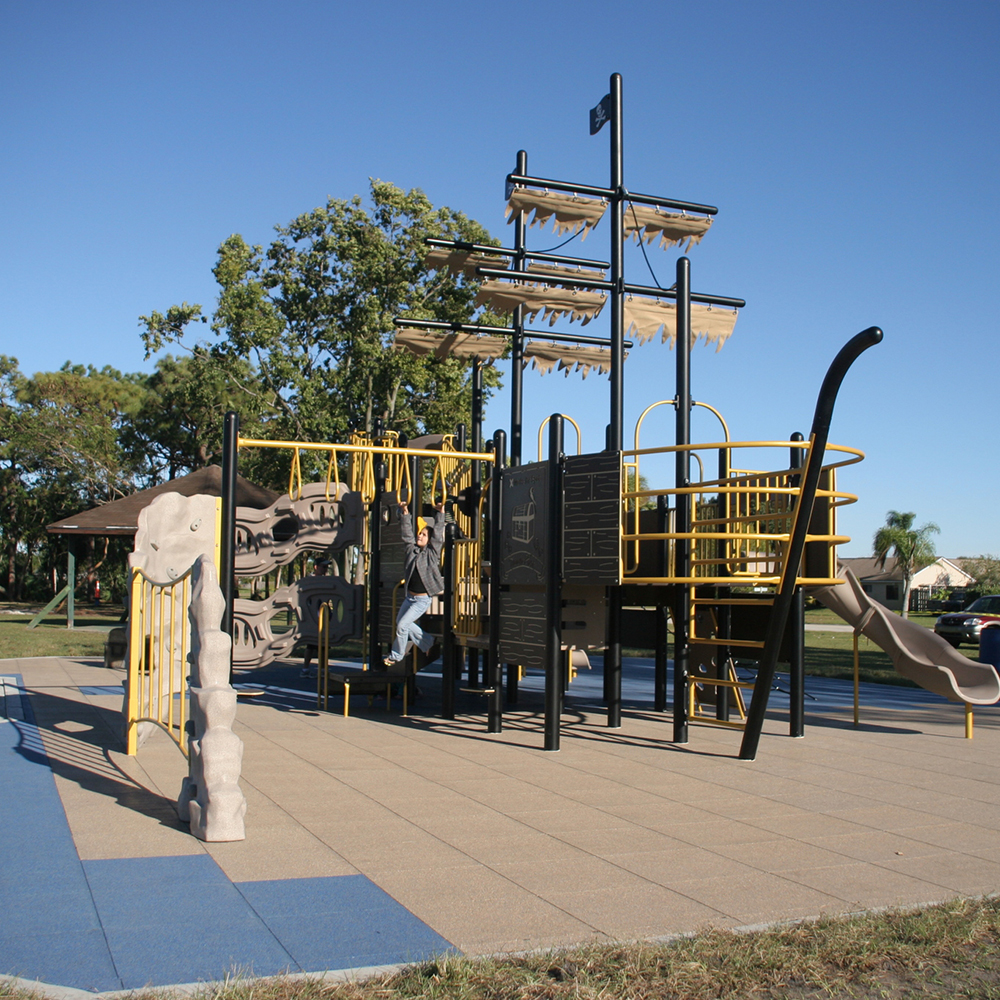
[965, 626]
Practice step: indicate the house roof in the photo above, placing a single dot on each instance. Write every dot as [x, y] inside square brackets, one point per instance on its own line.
[121, 517]
[867, 569]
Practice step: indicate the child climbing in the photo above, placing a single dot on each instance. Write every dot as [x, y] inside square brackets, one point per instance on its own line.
[423, 581]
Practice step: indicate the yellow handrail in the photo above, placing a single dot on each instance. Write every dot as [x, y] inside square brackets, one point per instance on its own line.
[579, 437]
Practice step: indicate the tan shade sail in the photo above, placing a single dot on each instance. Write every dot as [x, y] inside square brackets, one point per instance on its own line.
[450, 343]
[545, 356]
[461, 261]
[572, 213]
[553, 303]
[645, 317]
[562, 271]
[669, 226]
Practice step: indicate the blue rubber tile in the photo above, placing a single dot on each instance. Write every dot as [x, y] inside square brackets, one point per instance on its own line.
[341, 922]
[154, 874]
[188, 947]
[52, 908]
[199, 927]
[49, 928]
[334, 894]
[79, 959]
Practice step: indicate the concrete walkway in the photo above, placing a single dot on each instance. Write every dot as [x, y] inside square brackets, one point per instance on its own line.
[376, 839]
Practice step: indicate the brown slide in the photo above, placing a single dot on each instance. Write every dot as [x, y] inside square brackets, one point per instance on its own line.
[916, 652]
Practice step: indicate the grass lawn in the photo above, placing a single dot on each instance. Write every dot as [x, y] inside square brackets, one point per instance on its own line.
[933, 952]
[51, 637]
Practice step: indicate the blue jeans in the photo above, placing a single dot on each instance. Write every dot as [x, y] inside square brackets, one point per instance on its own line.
[407, 629]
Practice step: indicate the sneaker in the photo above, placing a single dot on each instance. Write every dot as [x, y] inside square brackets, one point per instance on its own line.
[389, 663]
[431, 655]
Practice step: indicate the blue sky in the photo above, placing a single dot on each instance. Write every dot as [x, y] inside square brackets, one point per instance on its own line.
[852, 149]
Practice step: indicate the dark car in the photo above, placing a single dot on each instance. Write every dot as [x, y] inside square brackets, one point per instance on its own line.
[965, 626]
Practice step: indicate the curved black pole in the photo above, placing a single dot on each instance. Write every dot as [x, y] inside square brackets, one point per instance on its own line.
[818, 437]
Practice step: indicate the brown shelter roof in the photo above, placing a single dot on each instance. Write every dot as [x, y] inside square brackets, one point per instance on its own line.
[121, 517]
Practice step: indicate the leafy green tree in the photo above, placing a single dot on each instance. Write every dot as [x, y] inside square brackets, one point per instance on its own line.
[911, 547]
[304, 327]
[178, 428]
[985, 570]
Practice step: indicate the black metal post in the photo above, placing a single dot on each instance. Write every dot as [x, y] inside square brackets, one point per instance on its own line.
[227, 543]
[660, 661]
[617, 225]
[375, 570]
[797, 667]
[517, 341]
[724, 612]
[449, 649]
[682, 518]
[477, 428]
[553, 590]
[493, 680]
[818, 436]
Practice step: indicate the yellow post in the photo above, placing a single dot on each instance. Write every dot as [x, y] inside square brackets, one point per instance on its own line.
[856, 675]
[968, 721]
[135, 645]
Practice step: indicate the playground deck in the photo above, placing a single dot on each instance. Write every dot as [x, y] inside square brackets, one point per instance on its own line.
[375, 840]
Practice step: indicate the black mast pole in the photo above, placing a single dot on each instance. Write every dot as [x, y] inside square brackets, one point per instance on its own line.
[613, 653]
[517, 341]
[682, 523]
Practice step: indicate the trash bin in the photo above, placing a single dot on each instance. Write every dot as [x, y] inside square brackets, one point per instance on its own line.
[989, 643]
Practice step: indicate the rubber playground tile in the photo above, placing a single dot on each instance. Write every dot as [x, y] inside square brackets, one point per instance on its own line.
[177, 920]
[97, 690]
[78, 958]
[342, 922]
[644, 911]
[865, 886]
[191, 947]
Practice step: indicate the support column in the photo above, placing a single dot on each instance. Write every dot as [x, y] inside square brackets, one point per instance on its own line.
[517, 339]
[553, 590]
[682, 522]
[493, 679]
[227, 544]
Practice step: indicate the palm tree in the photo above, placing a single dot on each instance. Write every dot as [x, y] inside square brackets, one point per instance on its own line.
[912, 547]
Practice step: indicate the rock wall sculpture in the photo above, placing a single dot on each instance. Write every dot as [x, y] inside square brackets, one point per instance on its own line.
[275, 536]
[256, 645]
[211, 799]
[173, 532]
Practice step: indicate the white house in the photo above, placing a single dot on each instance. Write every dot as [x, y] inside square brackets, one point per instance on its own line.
[886, 586]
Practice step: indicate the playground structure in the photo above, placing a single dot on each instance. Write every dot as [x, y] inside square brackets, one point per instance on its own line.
[545, 561]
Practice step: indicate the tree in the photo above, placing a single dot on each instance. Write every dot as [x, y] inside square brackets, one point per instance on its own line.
[304, 327]
[178, 428]
[985, 570]
[911, 547]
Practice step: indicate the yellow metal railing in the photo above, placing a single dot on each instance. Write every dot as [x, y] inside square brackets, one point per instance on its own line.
[159, 643]
[468, 604]
[741, 523]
